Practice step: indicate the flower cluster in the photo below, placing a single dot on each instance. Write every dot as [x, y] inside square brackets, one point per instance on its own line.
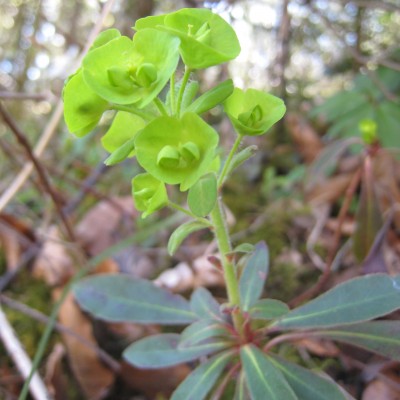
[163, 128]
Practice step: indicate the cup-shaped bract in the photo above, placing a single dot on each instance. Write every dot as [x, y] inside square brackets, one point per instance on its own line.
[83, 108]
[177, 150]
[206, 38]
[149, 194]
[123, 128]
[125, 71]
[253, 112]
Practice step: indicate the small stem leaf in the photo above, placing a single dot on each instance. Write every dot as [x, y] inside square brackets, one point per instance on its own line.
[244, 248]
[202, 330]
[307, 384]
[241, 389]
[161, 351]
[121, 153]
[264, 380]
[203, 304]
[180, 234]
[254, 275]
[202, 195]
[268, 309]
[212, 97]
[190, 92]
[356, 300]
[382, 337]
[197, 385]
[121, 298]
[241, 157]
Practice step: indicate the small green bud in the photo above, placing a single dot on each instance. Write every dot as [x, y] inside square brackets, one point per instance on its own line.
[146, 74]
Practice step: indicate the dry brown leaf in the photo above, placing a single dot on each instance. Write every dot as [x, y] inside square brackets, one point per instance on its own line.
[331, 190]
[105, 223]
[381, 390]
[306, 139]
[93, 376]
[53, 264]
[184, 277]
[153, 383]
[319, 347]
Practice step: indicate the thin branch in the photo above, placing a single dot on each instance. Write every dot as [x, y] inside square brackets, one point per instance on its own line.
[25, 96]
[37, 315]
[55, 118]
[39, 168]
[21, 360]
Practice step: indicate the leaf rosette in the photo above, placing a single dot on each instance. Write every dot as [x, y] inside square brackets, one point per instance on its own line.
[81, 112]
[149, 194]
[177, 150]
[206, 38]
[253, 112]
[125, 71]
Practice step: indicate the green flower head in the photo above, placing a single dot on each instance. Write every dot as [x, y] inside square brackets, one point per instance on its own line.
[149, 194]
[83, 108]
[253, 112]
[125, 71]
[206, 38]
[177, 151]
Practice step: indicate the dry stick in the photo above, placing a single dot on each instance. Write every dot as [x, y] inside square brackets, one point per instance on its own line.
[40, 170]
[21, 360]
[54, 120]
[315, 289]
[37, 315]
[25, 96]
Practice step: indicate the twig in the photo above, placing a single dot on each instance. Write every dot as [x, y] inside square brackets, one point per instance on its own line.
[25, 96]
[37, 315]
[315, 289]
[39, 168]
[55, 118]
[21, 360]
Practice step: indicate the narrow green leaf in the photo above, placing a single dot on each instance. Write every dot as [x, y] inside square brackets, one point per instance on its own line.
[197, 385]
[202, 330]
[203, 195]
[161, 351]
[254, 275]
[203, 304]
[264, 380]
[241, 390]
[356, 300]
[212, 97]
[382, 337]
[241, 157]
[307, 384]
[121, 153]
[244, 248]
[268, 309]
[121, 298]
[181, 233]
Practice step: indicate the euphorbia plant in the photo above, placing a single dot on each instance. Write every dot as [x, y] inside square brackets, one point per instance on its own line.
[158, 120]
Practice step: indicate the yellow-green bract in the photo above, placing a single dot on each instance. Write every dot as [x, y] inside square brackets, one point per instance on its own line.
[253, 112]
[206, 38]
[177, 150]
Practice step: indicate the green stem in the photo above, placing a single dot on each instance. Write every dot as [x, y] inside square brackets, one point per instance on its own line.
[188, 212]
[160, 106]
[182, 89]
[229, 160]
[133, 110]
[224, 245]
[172, 94]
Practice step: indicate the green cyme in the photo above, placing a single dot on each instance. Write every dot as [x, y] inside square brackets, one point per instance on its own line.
[177, 151]
[81, 112]
[123, 128]
[149, 194]
[368, 128]
[253, 112]
[125, 71]
[206, 38]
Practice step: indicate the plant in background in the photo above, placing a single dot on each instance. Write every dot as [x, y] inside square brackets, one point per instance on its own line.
[158, 120]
